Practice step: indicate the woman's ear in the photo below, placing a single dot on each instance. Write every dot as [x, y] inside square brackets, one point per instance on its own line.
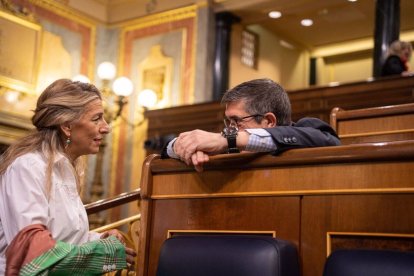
[270, 120]
[66, 128]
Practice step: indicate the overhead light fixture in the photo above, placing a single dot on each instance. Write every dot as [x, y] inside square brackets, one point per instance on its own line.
[306, 22]
[275, 14]
[352, 0]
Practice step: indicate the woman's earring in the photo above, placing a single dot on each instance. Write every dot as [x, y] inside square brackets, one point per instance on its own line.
[68, 141]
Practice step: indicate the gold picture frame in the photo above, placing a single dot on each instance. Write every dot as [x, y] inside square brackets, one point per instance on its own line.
[388, 238]
[20, 42]
[171, 233]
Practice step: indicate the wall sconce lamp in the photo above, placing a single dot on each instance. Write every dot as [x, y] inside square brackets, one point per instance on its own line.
[122, 87]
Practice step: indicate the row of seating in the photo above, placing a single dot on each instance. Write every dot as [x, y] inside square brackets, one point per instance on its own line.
[250, 255]
[246, 255]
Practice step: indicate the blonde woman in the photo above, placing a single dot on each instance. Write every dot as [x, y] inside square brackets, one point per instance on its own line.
[40, 179]
[399, 54]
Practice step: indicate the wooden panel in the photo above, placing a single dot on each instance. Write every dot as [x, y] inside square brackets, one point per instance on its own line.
[231, 214]
[375, 213]
[338, 178]
[377, 240]
[377, 124]
[386, 123]
[301, 194]
[163, 124]
[174, 120]
[365, 94]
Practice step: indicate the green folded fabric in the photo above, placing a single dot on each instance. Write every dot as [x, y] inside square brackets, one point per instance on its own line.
[91, 258]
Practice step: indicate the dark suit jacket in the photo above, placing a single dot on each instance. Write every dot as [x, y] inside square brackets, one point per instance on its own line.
[307, 132]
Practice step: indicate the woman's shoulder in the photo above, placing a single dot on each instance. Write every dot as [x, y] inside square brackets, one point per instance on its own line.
[32, 160]
[393, 58]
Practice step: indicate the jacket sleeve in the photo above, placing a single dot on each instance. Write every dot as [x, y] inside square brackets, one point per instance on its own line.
[91, 258]
[307, 132]
[164, 151]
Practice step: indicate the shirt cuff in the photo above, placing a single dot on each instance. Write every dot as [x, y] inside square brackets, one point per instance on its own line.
[170, 149]
[260, 141]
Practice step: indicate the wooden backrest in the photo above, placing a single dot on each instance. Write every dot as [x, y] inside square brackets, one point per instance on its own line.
[378, 124]
[321, 199]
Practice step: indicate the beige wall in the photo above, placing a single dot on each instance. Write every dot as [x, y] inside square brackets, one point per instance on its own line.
[349, 61]
[344, 68]
[337, 63]
[283, 65]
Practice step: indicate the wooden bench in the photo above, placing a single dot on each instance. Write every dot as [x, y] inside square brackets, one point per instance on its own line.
[321, 199]
[377, 124]
[309, 102]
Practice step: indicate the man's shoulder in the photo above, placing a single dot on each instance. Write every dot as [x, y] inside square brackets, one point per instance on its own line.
[310, 121]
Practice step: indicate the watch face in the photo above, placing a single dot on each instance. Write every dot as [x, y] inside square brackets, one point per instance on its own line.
[231, 130]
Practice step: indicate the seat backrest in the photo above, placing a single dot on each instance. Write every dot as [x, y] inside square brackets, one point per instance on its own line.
[358, 262]
[227, 255]
[375, 124]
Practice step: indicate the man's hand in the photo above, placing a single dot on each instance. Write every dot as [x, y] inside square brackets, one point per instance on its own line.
[198, 159]
[194, 146]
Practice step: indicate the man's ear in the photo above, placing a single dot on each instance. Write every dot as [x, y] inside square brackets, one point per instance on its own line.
[66, 128]
[269, 120]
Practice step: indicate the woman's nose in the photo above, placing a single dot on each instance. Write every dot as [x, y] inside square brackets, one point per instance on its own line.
[105, 128]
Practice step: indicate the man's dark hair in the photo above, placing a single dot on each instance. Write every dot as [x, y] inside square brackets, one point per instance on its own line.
[262, 96]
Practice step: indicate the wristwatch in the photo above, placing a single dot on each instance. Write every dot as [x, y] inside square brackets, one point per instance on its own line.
[230, 133]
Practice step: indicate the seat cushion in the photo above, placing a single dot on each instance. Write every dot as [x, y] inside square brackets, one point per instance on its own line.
[359, 262]
[226, 255]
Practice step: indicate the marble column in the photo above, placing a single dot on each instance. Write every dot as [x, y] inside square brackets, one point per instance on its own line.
[387, 29]
[224, 20]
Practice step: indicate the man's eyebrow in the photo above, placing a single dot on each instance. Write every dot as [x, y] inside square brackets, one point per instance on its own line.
[232, 117]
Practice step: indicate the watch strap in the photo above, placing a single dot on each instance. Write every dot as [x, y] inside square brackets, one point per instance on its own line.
[232, 144]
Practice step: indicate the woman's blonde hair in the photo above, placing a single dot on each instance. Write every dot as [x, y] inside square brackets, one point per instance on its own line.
[398, 46]
[61, 102]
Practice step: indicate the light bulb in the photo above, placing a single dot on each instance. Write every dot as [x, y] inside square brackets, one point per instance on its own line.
[147, 98]
[81, 78]
[306, 22]
[275, 14]
[123, 86]
[106, 70]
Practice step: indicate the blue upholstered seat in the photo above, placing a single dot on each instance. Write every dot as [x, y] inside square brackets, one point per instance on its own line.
[227, 255]
[359, 262]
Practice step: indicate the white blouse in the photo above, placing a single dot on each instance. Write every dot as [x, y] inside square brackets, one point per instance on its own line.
[24, 201]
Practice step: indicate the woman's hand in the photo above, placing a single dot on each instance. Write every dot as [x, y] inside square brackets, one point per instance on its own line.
[115, 233]
[130, 257]
[130, 253]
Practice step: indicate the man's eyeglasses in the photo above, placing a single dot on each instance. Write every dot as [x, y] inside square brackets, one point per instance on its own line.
[238, 121]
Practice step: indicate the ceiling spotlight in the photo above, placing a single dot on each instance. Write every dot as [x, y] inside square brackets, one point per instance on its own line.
[306, 22]
[275, 14]
[352, 0]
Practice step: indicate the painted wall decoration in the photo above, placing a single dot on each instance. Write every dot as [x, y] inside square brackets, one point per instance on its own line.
[19, 52]
[173, 34]
[66, 35]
